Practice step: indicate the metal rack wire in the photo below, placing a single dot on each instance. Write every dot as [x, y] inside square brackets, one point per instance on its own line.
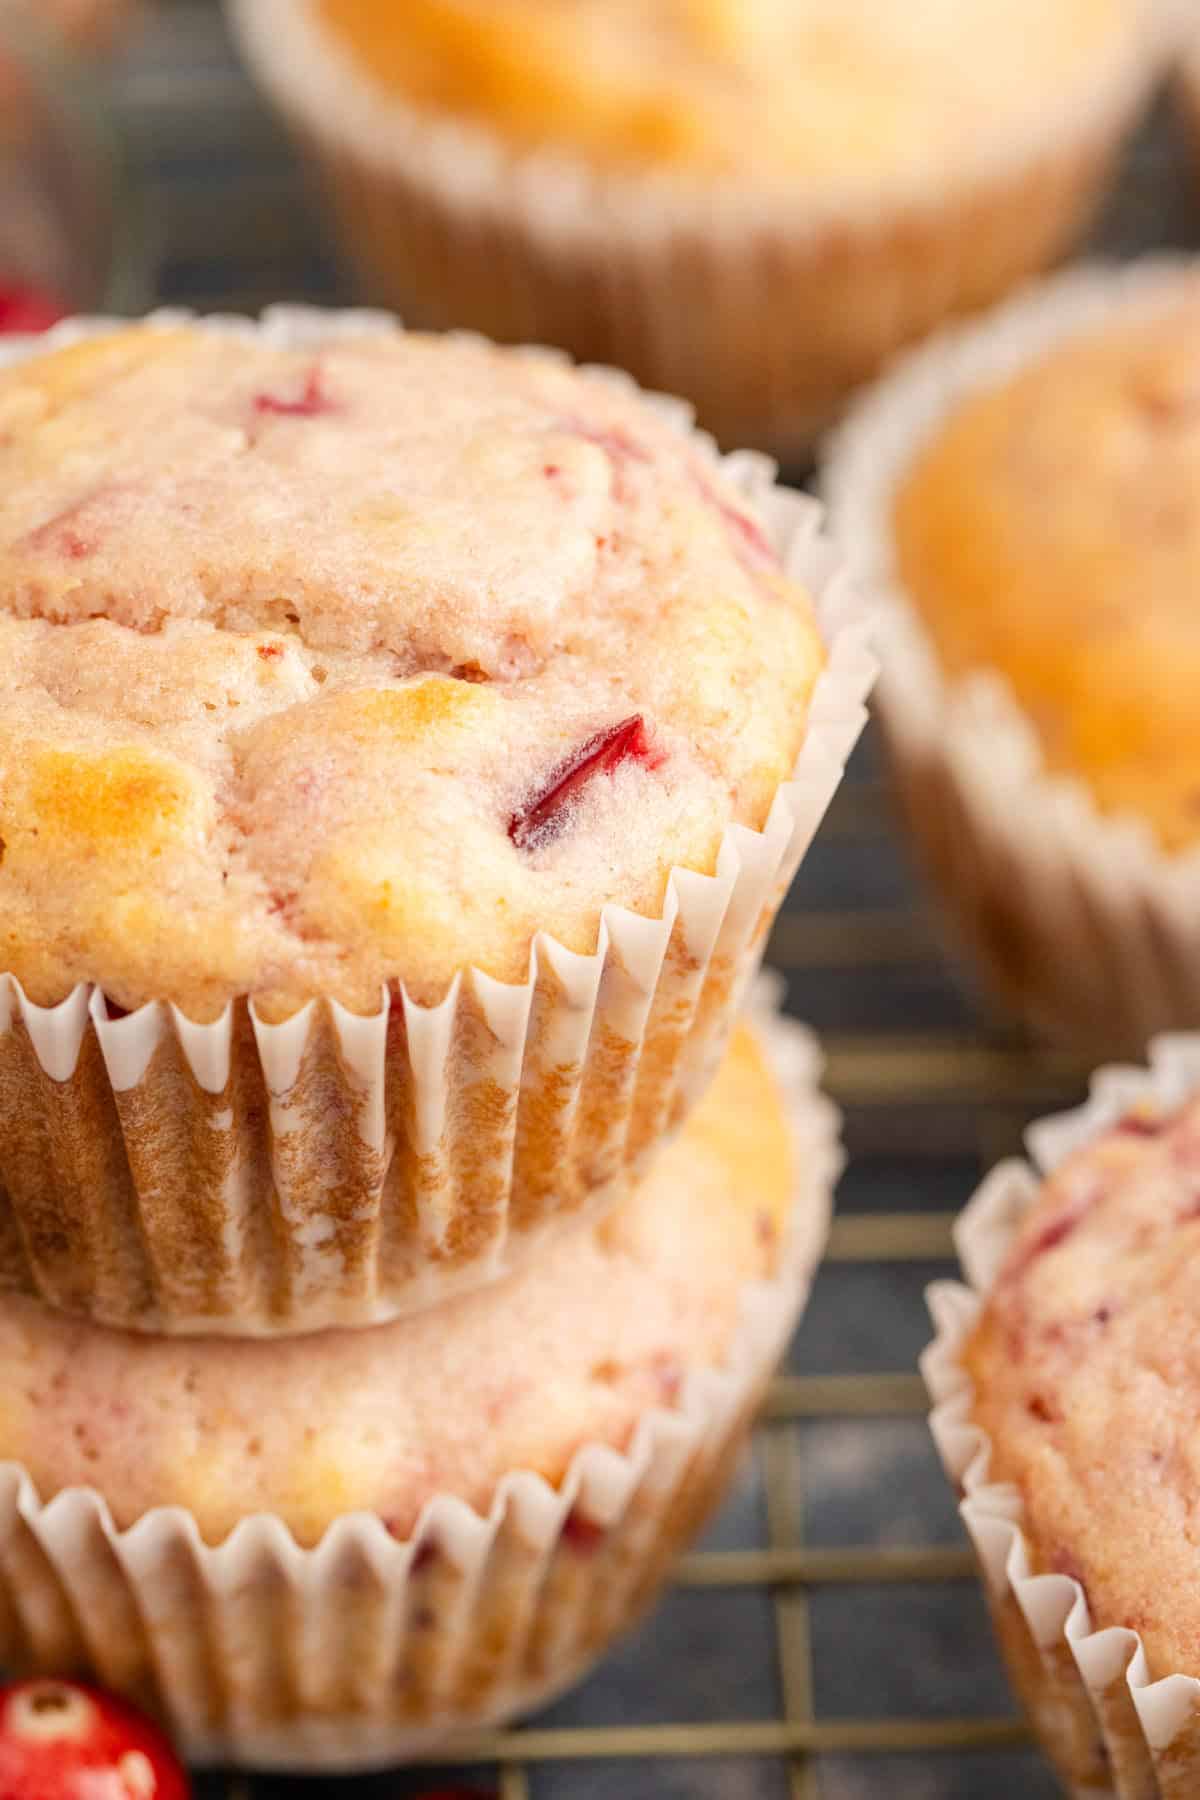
[828, 1638]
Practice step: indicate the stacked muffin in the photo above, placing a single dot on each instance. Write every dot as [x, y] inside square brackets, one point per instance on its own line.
[406, 746]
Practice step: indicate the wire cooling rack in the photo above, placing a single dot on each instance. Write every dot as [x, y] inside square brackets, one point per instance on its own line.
[827, 1640]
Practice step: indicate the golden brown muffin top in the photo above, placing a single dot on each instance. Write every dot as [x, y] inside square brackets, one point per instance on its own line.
[821, 93]
[1050, 529]
[324, 669]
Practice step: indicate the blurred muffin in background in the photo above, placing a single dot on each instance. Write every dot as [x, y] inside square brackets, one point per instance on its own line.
[1024, 499]
[747, 203]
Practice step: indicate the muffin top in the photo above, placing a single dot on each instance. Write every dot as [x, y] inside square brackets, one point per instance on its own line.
[605, 1324]
[1050, 529]
[832, 93]
[324, 669]
[1086, 1370]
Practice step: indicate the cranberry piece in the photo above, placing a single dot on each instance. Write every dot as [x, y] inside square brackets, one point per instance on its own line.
[1053, 1233]
[61, 1741]
[753, 538]
[755, 549]
[311, 401]
[25, 309]
[583, 1534]
[615, 442]
[545, 816]
[424, 1556]
[1142, 1124]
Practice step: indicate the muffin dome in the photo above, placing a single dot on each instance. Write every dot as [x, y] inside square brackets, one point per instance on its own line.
[1050, 530]
[603, 1326]
[327, 669]
[1085, 1366]
[836, 95]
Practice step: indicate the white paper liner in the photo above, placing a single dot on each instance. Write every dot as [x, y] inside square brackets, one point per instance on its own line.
[1108, 1724]
[169, 1176]
[765, 307]
[365, 1650]
[1080, 919]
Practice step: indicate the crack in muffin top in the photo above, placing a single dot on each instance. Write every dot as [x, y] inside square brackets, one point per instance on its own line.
[324, 669]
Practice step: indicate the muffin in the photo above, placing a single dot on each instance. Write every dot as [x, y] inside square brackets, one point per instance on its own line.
[749, 204]
[1021, 499]
[405, 747]
[1066, 1381]
[297, 1553]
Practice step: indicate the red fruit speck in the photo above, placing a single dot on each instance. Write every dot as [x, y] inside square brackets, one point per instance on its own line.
[311, 401]
[1142, 1124]
[424, 1556]
[582, 1533]
[615, 442]
[24, 309]
[1053, 1233]
[63, 1741]
[269, 652]
[544, 817]
[72, 531]
[754, 547]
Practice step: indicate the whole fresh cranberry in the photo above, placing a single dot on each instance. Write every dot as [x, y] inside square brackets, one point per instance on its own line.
[61, 1741]
[25, 309]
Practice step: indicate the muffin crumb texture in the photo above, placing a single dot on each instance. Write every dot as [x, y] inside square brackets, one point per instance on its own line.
[324, 670]
[604, 1326]
[1085, 1366]
[1050, 530]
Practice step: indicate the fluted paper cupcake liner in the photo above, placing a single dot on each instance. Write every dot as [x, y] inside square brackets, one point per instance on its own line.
[365, 1650]
[765, 309]
[339, 1170]
[1111, 1724]
[1078, 919]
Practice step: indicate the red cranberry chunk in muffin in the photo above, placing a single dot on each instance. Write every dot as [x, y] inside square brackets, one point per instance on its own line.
[323, 670]
[1086, 1372]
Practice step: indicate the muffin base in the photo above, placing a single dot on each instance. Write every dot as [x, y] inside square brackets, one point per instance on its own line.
[1080, 922]
[765, 311]
[1108, 1726]
[334, 1170]
[364, 1650]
